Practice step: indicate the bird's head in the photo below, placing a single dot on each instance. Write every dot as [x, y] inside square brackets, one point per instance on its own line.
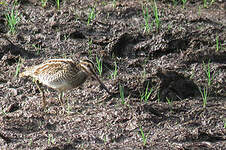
[88, 67]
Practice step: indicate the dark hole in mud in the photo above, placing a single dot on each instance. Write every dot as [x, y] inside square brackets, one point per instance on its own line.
[56, 26]
[21, 38]
[50, 126]
[77, 140]
[53, 148]
[77, 35]
[23, 2]
[123, 46]
[118, 138]
[209, 55]
[6, 139]
[149, 109]
[13, 107]
[10, 59]
[175, 86]
[18, 51]
[178, 44]
[203, 136]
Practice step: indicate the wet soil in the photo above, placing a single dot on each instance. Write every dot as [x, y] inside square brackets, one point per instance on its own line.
[171, 60]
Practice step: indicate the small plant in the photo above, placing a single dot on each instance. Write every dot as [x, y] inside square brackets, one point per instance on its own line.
[144, 73]
[169, 27]
[76, 16]
[91, 15]
[12, 20]
[175, 2]
[143, 136]
[38, 48]
[157, 21]
[212, 1]
[99, 65]
[105, 139]
[58, 4]
[146, 15]
[2, 111]
[199, 10]
[51, 140]
[43, 2]
[103, 3]
[16, 2]
[18, 67]
[115, 72]
[183, 2]
[158, 96]
[121, 90]
[114, 3]
[205, 3]
[204, 94]
[192, 73]
[145, 96]
[69, 108]
[217, 44]
[30, 142]
[208, 72]
[169, 101]
[3, 3]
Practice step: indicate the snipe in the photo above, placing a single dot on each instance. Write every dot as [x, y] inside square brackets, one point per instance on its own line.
[61, 75]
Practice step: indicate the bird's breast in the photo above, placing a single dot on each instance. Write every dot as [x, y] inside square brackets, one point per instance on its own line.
[65, 81]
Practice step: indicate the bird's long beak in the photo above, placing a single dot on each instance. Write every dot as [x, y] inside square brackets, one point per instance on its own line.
[101, 83]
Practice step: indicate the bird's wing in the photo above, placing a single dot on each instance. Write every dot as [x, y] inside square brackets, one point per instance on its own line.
[55, 69]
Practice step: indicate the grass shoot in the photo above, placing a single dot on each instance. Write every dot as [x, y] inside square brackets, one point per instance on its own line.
[115, 72]
[58, 4]
[12, 20]
[208, 72]
[91, 15]
[170, 102]
[51, 140]
[146, 15]
[99, 65]
[204, 94]
[183, 3]
[205, 3]
[44, 3]
[143, 136]
[145, 96]
[157, 21]
[114, 3]
[18, 67]
[122, 96]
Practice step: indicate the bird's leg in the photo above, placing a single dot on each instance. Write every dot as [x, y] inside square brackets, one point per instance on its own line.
[61, 93]
[42, 93]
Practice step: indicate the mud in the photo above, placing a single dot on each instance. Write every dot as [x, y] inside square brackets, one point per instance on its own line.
[172, 61]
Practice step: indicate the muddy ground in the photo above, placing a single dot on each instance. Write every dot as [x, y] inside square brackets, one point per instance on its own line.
[171, 60]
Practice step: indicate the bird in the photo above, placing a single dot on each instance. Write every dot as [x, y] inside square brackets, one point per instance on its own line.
[61, 75]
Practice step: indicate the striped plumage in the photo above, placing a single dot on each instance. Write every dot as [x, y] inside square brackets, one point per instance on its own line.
[62, 74]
